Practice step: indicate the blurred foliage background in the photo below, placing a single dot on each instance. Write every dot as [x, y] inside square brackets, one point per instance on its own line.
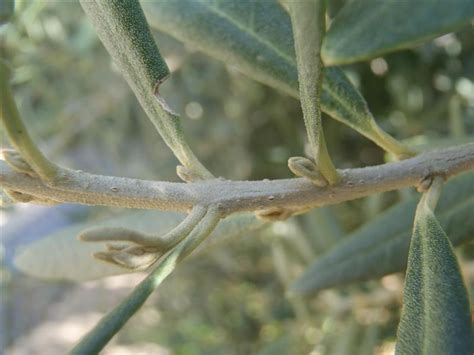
[231, 299]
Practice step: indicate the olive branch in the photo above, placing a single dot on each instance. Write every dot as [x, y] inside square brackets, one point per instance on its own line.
[27, 175]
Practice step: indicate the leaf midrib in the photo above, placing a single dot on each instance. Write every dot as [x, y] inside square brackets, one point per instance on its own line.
[289, 60]
[251, 33]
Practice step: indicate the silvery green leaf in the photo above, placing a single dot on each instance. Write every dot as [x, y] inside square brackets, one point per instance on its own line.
[62, 256]
[380, 247]
[365, 29]
[309, 25]
[256, 37]
[436, 316]
[122, 27]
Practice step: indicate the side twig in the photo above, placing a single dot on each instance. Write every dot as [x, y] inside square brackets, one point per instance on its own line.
[136, 250]
[108, 326]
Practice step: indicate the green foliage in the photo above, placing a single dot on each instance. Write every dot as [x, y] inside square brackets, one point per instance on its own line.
[256, 37]
[436, 314]
[232, 300]
[365, 29]
[380, 247]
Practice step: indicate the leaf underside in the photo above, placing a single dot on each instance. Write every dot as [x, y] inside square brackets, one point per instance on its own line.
[436, 316]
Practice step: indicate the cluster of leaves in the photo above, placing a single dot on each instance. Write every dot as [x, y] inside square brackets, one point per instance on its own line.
[257, 38]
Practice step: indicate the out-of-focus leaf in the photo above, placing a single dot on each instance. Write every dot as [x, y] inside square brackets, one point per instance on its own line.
[256, 37]
[365, 29]
[7, 7]
[62, 256]
[345, 342]
[282, 346]
[436, 317]
[322, 228]
[380, 247]
[369, 340]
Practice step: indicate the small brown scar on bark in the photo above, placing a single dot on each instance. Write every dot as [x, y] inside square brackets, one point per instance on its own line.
[274, 214]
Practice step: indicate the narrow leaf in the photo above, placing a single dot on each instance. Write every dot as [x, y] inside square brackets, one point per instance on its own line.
[62, 256]
[123, 29]
[256, 37]
[365, 29]
[436, 316]
[380, 247]
[309, 24]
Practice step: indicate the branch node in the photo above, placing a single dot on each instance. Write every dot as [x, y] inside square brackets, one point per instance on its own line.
[133, 258]
[187, 175]
[137, 250]
[424, 184]
[304, 167]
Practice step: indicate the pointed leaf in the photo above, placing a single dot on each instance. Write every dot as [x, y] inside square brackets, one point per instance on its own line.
[436, 316]
[62, 256]
[380, 247]
[365, 29]
[256, 37]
